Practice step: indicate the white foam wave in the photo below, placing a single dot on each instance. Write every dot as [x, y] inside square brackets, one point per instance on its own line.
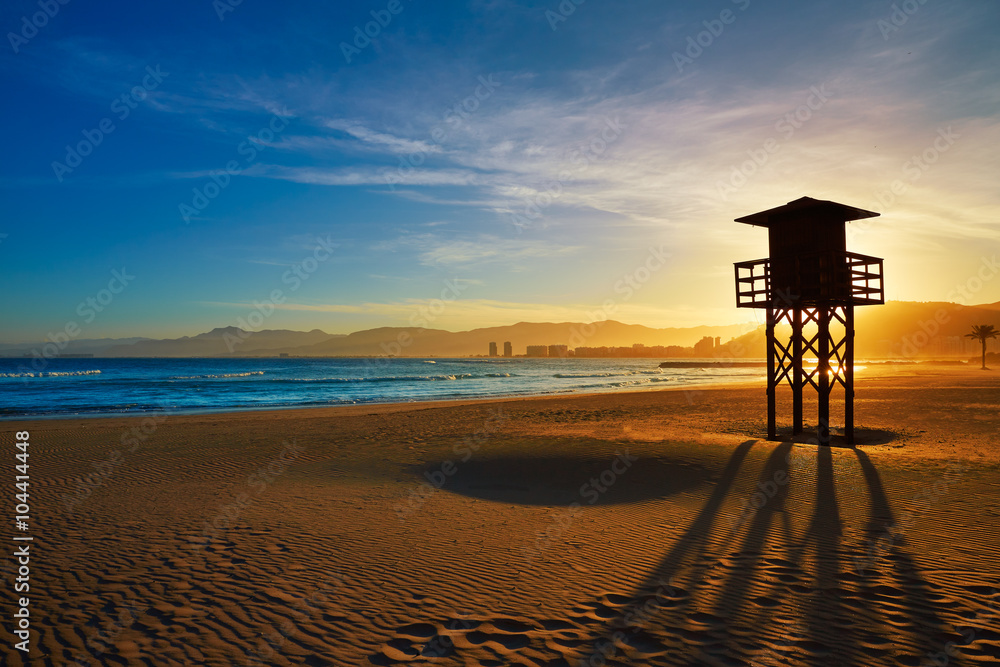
[48, 375]
[220, 375]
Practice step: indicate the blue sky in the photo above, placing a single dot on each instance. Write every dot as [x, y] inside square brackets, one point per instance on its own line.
[538, 153]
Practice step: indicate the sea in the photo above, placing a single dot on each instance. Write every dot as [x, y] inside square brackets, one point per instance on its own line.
[68, 387]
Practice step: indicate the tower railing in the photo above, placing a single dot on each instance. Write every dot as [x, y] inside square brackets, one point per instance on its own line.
[832, 277]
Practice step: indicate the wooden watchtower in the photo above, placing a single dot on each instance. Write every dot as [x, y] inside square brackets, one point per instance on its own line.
[813, 283]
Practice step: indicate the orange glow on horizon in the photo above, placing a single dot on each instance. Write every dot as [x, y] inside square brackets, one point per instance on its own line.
[832, 371]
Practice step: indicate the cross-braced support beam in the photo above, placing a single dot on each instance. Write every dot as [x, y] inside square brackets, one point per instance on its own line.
[826, 332]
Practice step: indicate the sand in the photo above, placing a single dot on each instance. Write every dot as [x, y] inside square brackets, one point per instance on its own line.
[647, 528]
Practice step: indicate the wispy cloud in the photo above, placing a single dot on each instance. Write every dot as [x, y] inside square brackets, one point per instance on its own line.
[467, 314]
[363, 176]
[387, 141]
[477, 141]
[435, 251]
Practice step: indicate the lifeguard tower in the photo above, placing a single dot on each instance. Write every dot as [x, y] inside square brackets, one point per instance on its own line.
[811, 282]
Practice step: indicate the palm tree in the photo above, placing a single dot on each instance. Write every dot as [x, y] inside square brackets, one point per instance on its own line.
[982, 332]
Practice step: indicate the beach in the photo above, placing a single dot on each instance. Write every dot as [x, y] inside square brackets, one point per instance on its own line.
[653, 527]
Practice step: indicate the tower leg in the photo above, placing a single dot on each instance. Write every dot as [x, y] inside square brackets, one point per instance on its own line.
[796, 371]
[849, 374]
[823, 373]
[771, 375]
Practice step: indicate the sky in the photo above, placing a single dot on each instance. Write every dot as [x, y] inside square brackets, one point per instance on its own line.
[175, 167]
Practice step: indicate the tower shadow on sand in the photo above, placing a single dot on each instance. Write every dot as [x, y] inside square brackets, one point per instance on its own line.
[778, 585]
[721, 593]
[564, 479]
[863, 437]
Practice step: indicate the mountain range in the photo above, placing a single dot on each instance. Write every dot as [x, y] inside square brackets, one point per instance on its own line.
[898, 329]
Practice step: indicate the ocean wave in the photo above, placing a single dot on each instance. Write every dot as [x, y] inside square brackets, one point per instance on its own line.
[402, 378]
[623, 383]
[52, 374]
[480, 361]
[638, 381]
[444, 377]
[609, 374]
[212, 377]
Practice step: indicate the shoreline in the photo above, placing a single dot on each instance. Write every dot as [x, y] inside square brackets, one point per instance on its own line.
[528, 530]
[871, 369]
[351, 408]
[917, 387]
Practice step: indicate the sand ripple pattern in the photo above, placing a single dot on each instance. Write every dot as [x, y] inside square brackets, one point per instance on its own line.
[846, 562]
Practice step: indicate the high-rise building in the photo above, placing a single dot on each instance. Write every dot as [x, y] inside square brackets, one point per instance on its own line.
[508, 349]
[493, 350]
[558, 350]
[704, 347]
[538, 351]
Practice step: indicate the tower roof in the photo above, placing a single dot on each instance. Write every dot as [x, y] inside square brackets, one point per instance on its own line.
[808, 208]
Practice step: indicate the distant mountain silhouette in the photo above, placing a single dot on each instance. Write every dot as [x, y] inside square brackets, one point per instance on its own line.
[411, 341]
[898, 329]
[220, 342]
[78, 346]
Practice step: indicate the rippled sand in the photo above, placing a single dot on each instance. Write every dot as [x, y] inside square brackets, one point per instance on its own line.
[648, 528]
